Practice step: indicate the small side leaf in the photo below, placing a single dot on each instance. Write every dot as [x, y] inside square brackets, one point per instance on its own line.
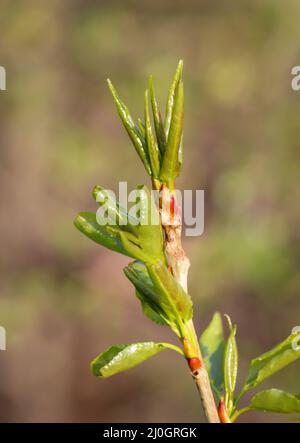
[137, 273]
[275, 400]
[212, 347]
[87, 223]
[161, 293]
[273, 361]
[175, 301]
[149, 311]
[119, 358]
[230, 366]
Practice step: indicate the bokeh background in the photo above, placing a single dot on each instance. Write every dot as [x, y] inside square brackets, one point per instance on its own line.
[64, 299]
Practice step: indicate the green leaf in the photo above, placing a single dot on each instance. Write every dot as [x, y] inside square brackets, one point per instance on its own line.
[273, 361]
[177, 304]
[161, 293]
[149, 311]
[230, 366]
[212, 346]
[112, 237]
[117, 214]
[275, 400]
[119, 358]
[153, 151]
[132, 248]
[153, 303]
[149, 230]
[142, 128]
[173, 155]
[140, 238]
[87, 223]
[158, 123]
[132, 129]
[171, 97]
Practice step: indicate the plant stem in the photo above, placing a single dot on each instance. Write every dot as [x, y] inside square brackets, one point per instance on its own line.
[239, 412]
[201, 379]
[180, 264]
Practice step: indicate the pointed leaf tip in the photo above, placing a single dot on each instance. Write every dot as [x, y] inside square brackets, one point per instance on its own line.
[173, 156]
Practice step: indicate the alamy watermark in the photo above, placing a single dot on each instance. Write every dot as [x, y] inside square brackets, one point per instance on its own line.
[295, 83]
[139, 207]
[2, 339]
[296, 341]
[2, 79]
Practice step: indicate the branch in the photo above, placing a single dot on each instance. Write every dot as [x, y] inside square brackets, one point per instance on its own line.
[179, 265]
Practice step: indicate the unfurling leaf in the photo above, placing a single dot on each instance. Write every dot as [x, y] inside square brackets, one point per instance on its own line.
[140, 238]
[149, 311]
[173, 154]
[87, 223]
[158, 289]
[149, 230]
[152, 306]
[132, 129]
[273, 361]
[177, 303]
[153, 151]
[230, 366]
[115, 213]
[119, 358]
[275, 400]
[212, 347]
[157, 118]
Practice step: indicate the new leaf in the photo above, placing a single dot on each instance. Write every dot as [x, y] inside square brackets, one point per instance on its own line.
[119, 358]
[275, 400]
[212, 347]
[273, 361]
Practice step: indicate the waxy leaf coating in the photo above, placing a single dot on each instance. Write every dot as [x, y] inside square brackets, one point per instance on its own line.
[119, 358]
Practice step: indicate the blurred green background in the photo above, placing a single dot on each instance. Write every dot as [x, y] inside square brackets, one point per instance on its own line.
[64, 299]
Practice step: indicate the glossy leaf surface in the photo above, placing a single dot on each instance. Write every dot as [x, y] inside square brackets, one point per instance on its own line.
[172, 157]
[119, 358]
[87, 223]
[230, 366]
[275, 400]
[274, 360]
[212, 346]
